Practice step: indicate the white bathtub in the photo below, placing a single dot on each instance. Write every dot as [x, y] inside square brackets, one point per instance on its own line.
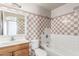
[63, 45]
[50, 51]
[60, 52]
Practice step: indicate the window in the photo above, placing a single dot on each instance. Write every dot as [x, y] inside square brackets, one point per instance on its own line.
[10, 26]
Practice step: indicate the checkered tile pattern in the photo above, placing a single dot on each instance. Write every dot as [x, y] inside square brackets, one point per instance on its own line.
[67, 24]
[21, 26]
[36, 25]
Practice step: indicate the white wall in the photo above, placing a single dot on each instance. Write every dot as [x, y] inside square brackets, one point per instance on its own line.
[34, 8]
[67, 8]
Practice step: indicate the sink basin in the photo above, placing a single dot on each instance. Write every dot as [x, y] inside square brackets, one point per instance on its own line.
[10, 43]
[7, 40]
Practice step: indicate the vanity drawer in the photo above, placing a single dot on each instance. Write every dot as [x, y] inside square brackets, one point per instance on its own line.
[23, 52]
[20, 46]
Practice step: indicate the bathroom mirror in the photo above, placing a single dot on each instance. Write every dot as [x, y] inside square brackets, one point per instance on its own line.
[1, 24]
[13, 24]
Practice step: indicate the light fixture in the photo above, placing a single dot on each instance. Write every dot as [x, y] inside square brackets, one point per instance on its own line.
[17, 5]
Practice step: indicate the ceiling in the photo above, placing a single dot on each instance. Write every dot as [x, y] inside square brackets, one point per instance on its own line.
[50, 6]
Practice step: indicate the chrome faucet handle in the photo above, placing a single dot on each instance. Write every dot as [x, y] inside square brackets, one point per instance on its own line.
[12, 39]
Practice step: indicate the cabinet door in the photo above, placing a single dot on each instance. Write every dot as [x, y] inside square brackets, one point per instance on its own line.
[6, 54]
[23, 52]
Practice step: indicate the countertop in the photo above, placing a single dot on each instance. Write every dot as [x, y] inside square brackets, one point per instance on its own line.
[14, 42]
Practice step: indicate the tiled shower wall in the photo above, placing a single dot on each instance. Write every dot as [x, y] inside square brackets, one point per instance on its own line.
[36, 25]
[21, 25]
[66, 25]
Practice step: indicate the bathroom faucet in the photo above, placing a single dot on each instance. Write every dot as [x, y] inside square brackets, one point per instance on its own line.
[12, 39]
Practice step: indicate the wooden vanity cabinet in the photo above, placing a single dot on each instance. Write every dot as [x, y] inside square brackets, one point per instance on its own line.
[22, 52]
[6, 54]
[15, 50]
